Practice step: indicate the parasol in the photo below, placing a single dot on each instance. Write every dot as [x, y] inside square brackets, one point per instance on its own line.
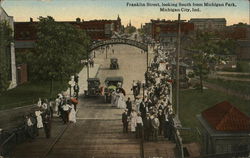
[74, 100]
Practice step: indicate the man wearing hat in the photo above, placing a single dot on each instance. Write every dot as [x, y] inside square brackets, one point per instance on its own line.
[65, 112]
[161, 121]
[129, 106]
[143, 109]
[147, 127]
[155, 124]
[125, 121]
[139, 125]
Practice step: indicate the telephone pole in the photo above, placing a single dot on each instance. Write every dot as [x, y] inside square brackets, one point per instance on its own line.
[178, 66]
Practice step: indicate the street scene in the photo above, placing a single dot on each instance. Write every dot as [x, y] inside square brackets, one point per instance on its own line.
[106, 86]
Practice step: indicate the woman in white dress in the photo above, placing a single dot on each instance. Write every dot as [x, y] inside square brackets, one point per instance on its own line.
[72, 114]
[117, 96]
[39, 103]
[113, 97]
[57, 103]
[133, 120]
[121, 101]
[39, 119]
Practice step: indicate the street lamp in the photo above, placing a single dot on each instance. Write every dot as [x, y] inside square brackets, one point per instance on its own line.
[71, 82]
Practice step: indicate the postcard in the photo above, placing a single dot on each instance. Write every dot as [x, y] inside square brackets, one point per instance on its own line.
[124, 78]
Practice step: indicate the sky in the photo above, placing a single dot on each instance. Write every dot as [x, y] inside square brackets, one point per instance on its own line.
[69, 10]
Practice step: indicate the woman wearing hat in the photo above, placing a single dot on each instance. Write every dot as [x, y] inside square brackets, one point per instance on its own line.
[133, 120]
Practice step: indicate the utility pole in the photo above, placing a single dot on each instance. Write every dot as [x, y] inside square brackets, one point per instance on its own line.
[147, 60]
[146, 77]
[178, 66]
[87, 64]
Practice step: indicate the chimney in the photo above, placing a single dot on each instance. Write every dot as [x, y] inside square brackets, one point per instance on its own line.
[31, 19]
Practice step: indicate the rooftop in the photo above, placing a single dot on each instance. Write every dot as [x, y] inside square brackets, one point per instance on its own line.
[225, 117]
[205, 19]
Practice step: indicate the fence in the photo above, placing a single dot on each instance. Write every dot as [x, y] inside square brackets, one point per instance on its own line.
[243, 154]
[177, 137]
[9, 139]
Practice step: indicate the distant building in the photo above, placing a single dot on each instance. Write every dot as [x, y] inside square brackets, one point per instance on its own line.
[205, 24]
[26, 36]
[236, 32]
[224, 129]
[9, 50]
[243, 50]
[96, 29]
[165, 31]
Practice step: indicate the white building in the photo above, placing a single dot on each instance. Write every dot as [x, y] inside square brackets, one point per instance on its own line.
[5, 17]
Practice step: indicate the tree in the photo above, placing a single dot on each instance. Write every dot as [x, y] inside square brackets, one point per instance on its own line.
[58, 51]
[5, 39]
[204, 48]
[226, 47]
[130, 29]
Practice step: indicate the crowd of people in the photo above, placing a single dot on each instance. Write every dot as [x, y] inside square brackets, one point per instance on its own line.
[152, 115]
[63, 106]
[41, 117]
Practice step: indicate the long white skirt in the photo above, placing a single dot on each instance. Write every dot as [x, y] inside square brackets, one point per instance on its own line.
[39, 119]
[72, 115]
[133, 121]
[121, 102]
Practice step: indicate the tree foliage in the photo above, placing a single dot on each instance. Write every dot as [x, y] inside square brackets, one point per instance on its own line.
[5, 39]
[204, 48]
[130, 29]
[59, 49]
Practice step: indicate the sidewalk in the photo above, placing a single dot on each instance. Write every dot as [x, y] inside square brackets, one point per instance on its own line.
[83, 77]
[83, 85]
[41, 146]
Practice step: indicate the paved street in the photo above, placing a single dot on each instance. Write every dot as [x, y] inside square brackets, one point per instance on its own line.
[98, 131]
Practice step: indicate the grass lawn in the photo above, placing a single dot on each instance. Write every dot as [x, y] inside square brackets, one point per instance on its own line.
[29, 93]
[192, 102]
[236, 76]
[238, 86]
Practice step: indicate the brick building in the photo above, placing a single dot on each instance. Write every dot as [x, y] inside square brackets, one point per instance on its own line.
[25, 32]
[165, 31]
[224, 129]
[243, 50]
[208, 24]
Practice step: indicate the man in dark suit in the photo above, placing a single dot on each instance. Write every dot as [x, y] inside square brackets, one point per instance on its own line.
[129, 106]
[147, 127]
[76, 90]
[125, 121]
[143, 109]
